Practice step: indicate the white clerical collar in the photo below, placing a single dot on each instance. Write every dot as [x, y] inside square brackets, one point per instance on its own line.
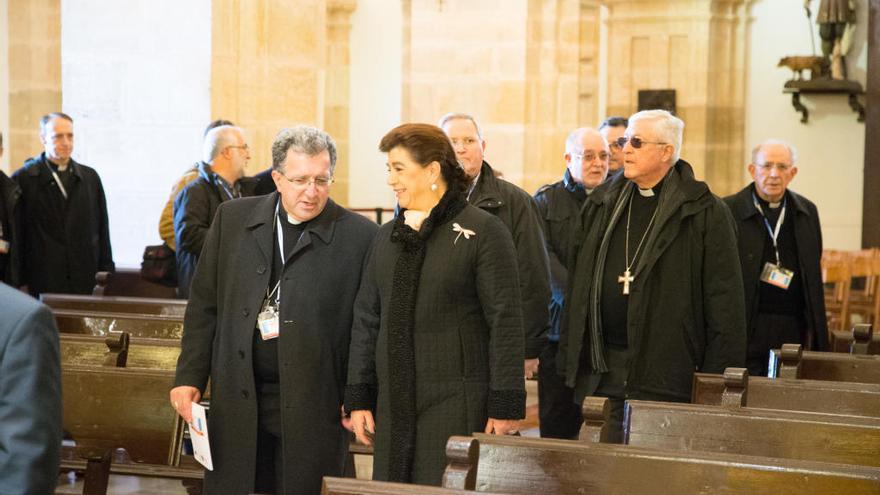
[774, 205]
[292, 220]
[589, 191]
[646, 193]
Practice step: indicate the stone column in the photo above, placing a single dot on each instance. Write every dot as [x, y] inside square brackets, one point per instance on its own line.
[336, 102]
[697, 48]
[268, 67]
[34, 74]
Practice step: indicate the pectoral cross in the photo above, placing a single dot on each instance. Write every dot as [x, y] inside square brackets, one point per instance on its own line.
[625, 279]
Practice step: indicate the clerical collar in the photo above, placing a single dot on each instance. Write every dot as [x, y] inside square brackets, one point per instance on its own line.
[58, 168]
[651, 191]
[770, 204]
[293, 221]
[646, 193]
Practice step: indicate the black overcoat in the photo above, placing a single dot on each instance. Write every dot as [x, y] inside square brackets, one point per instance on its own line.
[468, 339]
[318, 288]
[10, 218]
[66, 242]
[808, 236]
[685, 310]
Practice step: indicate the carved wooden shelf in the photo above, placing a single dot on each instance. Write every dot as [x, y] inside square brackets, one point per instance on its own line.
[825, 86]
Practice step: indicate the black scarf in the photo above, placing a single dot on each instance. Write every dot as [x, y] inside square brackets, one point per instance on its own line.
[401, 326]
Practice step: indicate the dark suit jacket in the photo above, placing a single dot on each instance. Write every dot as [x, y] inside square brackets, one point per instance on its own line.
[808, 237]
[318, 287]
[30, 407]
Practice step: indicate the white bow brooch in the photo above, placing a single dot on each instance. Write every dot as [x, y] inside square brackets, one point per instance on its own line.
[467, 233]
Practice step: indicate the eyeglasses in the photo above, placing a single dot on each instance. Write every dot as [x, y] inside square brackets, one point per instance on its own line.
[635, 141]
[589, 156]
[781, 167]
[242, 147]
[304, 182]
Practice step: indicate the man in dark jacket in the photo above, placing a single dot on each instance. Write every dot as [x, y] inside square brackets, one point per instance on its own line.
[220, 178]
[65, 231]
[519, 212]
[586, 157]
[655, 290]
[780, 250]
[272, 333]
[10, 253]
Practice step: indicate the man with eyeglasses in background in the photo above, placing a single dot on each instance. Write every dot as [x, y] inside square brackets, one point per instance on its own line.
[780, 250]
[586, 157]
[612, 129]
[519, 213]
[269, 322]
[655, 290]
[225, 154]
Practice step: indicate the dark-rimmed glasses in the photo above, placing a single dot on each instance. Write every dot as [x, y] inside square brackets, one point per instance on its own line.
[635, 141]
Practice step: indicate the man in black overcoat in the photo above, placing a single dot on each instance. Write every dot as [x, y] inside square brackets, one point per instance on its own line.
[780, 250]
[272, 330]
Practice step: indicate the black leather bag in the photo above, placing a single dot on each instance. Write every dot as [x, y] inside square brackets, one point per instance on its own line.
[159, 265]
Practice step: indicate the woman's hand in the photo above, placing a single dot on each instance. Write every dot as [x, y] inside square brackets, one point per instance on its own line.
[502, 426]
[364, 426]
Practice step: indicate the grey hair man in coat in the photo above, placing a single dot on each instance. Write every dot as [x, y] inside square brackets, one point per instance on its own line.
[64, 225]
[587, 159]
[30, 396]
[655, 291]
[519, 212]
[269, 322]
[780, 250]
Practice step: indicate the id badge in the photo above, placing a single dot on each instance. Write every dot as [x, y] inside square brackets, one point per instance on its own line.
[776, 275]
[267, 322]
[4, 246]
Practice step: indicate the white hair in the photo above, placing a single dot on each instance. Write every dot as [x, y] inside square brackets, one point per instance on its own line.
[571, 140]
[668, 128]
[217, 139]
[460, 116]
[792, 151]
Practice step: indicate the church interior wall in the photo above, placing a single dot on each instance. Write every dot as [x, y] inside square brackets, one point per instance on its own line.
[831, 145]
[4, 81]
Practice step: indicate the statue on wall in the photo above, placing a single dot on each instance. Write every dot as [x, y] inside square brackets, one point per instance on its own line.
[835, 18]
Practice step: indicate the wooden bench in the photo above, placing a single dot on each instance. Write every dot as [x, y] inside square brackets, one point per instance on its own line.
[793, 362]
[115, 304]
[108, 408]
[860, 340]
[105, 324]
[753, 431]
[120, 351]
[348, 486]
[128, 282]
[735, 387]
[533, 465]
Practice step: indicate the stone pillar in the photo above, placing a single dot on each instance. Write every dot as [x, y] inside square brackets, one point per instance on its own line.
[34, 74]
[268, 67]
[697, 48]
[336, 102]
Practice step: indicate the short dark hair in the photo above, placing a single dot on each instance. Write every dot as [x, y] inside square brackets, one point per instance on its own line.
[614, 122]
[217, 123]
[427, 143]
[53, 115]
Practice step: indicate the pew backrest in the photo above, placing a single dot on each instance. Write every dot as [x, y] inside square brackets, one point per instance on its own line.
[348, 486]
[793, 362]
[106, 324]
[140, 353]
[535, 465]
[115, 304]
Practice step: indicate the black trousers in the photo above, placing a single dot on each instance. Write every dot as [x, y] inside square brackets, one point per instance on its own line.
[559, 416]
[770, 332]
[269, 475]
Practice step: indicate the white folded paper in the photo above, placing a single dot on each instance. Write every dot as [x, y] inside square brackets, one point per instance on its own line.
[198, 433]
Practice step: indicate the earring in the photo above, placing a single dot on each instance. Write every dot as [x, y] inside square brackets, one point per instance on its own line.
[434, 187]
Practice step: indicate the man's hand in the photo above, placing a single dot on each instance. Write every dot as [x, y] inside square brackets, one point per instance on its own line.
[502, 426]
[531, 368]
[182, 398]
[364, 426]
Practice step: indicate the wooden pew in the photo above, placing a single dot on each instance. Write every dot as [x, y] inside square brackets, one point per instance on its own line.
[534, 465]
[120, 351]
[115, 304]
[104, 323]
[348, 486]
[793, 362]
[860, 340]
[753, 431]
[732, 388]
[128, 282]
[106, 409]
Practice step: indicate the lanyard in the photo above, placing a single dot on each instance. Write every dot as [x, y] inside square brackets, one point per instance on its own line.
[229, 193]
[57, 181]
[277, 290]
[774, 232]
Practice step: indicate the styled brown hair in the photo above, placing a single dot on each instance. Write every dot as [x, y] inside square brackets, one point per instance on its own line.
[427, 143]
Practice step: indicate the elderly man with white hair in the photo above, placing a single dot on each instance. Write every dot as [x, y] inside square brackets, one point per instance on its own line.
[780, 248]
[655, 289]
